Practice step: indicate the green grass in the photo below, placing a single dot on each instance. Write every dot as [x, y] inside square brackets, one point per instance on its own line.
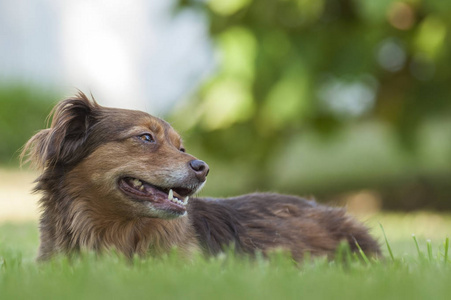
[420, 269]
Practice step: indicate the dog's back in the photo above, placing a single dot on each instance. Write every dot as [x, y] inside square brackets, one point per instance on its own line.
[267, 221]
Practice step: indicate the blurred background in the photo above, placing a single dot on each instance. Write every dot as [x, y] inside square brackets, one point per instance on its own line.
[347, 101]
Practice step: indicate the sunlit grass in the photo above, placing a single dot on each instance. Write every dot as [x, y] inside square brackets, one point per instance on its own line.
[418, 268]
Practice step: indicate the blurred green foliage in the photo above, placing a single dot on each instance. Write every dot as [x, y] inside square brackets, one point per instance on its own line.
[293, 64]
[23, 111]
[313, 97]
[291, 68]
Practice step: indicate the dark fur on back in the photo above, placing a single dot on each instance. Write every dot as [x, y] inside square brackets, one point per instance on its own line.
[268, 221]
[91, 155]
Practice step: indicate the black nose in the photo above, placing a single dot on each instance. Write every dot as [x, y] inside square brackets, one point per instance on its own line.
[200, 168]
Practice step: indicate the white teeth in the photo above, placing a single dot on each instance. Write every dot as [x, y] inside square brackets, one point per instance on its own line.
[141, 188]
[175, 199]
[137, 183]
[185, 201]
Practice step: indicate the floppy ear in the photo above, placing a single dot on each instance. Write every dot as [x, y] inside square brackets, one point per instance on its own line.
[62, 142]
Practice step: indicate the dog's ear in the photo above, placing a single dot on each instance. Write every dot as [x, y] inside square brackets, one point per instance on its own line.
[62, 142]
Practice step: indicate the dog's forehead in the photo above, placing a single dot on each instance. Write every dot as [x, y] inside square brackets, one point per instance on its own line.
[124, 120]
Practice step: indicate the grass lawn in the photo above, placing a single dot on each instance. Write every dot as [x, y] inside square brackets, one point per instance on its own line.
[409, 276]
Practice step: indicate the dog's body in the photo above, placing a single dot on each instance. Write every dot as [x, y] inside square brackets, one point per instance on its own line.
[121, 179]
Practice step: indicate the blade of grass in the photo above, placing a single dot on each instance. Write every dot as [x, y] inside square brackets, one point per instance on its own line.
[2, 263]
[446, 250]
[429, 245]
[387, 243]
[343, 256]
[365, 258]
[420, 255]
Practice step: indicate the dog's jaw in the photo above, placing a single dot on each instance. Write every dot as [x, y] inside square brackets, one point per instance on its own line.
[163, 202]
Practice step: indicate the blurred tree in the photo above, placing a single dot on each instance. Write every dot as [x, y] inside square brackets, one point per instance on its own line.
[23, 110]
[290, 65]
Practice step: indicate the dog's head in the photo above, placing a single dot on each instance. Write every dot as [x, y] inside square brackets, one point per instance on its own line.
[118, 160]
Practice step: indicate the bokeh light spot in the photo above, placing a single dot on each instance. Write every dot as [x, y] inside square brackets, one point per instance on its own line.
[228, 7]
[431, 36]
[228, 101]
[401, 15]
[346, 99]
[391, 55]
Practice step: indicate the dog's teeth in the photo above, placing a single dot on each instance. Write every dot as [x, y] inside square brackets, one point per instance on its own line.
[175, 199]
[141, 188]
[185, 201]
[137, 182]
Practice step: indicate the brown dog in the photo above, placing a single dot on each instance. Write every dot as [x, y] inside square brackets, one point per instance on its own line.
[114, 178]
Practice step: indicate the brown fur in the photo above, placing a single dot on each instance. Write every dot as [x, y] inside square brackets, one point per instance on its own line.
[87, 158]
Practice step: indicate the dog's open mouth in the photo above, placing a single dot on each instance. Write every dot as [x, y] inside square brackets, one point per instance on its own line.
[174, 199]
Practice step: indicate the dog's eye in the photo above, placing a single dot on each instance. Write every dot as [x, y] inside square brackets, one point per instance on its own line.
[146, 138]
[182, 150]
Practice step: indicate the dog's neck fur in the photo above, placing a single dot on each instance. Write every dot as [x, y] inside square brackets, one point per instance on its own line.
[85, 226]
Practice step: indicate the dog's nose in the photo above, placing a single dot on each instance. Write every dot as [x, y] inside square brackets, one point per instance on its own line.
[200, 168]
